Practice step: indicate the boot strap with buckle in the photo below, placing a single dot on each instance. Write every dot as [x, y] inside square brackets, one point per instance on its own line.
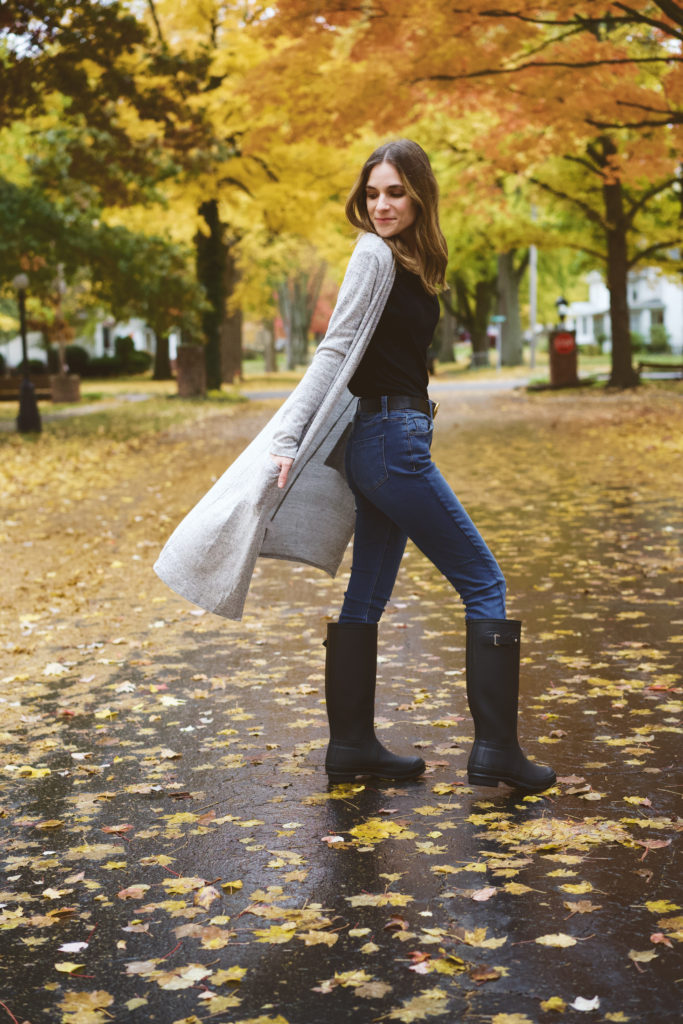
[503, 639]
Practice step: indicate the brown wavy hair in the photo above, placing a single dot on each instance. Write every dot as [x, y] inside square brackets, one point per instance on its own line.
[429, 256]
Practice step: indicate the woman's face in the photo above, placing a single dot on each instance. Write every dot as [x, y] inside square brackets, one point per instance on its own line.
[390, 208]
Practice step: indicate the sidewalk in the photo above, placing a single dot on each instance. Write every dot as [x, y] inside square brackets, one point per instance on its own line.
[171, 849]
[78, 409]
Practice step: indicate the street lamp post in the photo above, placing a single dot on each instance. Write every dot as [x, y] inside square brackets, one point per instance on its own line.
[562, 309]
[28, 420]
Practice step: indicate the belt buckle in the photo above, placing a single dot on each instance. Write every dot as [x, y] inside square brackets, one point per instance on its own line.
[435, 409]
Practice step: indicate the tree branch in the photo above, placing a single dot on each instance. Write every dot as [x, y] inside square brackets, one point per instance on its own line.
[557, 39]
[238, 184]
[264, 167]
[643, 19]
[636, 206]
[632, 16]
[157, 24]
[586, 22]
[592, 214]
[638, 256]
[572, 65]
[620, 125]
[593, 168]
[669, 7]
[602, 256]
[646, 108]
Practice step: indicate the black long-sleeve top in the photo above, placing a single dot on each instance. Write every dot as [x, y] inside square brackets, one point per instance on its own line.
[395, 362]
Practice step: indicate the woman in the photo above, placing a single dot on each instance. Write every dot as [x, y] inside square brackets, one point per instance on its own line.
[340, 461]
[400, 493]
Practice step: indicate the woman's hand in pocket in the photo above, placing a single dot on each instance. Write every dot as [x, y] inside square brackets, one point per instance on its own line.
[285, 465]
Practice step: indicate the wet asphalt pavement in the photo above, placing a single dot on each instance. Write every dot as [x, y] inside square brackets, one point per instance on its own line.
[211, 872]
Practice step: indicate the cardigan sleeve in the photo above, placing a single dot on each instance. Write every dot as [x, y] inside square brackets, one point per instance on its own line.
[368, 263]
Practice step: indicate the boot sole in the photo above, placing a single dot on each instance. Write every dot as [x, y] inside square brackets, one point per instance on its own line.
[388, 776]
[491, 781]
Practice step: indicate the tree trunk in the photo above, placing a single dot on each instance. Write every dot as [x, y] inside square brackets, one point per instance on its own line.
[509, 278]
[623, 375]
[298, 297]
[231, 328]
[472, 312]
[298, 337]
[269, 355]
[211, 259]
[484, 292]
[285, 305]
[445, 332]
[162, 362]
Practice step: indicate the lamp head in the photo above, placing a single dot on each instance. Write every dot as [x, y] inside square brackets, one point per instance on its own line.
[20, 282]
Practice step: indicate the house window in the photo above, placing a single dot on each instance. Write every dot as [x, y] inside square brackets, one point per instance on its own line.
[657, 316]
[634, 295]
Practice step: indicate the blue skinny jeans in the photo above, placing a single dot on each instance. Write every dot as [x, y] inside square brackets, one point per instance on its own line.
[401, 494]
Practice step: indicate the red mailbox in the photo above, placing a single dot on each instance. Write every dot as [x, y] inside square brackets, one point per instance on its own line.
[563, 352]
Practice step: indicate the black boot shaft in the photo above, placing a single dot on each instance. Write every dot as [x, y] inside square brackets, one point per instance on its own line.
[492, 662]
[350, 680]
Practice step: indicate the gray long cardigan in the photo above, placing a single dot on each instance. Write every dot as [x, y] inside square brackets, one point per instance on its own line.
[210, 556]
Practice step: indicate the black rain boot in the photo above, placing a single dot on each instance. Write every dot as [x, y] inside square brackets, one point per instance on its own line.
[492, 692]
[350, 676]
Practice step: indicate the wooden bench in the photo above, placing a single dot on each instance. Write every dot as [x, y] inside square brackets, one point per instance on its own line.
[646, 364]
[10, 387]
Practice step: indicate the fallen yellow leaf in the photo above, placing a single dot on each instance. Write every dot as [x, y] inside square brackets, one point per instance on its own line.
[554, 1003]
[642, 956]
[558, 939]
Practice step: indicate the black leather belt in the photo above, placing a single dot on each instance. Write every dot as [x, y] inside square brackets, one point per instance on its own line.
[399, 402]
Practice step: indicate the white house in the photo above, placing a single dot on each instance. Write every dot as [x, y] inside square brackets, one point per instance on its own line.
[102, 344]
[12, 353]
[107, 330]
[653, 299]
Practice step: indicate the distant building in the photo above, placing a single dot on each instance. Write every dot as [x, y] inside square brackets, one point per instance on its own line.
[101, 344]
[653, 299]
[106, 331]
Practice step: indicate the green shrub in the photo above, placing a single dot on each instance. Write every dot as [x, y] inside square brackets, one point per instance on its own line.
[659, 338]
[103, 366]
[130, 359]
[139, 362]
[637, 342]
[77, 359]
[124, 347]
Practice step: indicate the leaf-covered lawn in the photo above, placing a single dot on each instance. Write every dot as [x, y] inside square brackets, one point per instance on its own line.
[171, 850]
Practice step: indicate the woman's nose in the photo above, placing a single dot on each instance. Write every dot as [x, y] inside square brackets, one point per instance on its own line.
[382, 202]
